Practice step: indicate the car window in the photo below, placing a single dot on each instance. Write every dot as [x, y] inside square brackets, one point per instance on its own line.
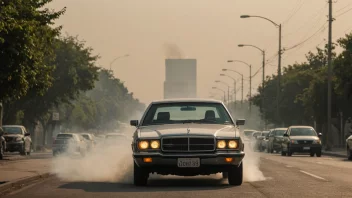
[279, 133]
[302, 132]
[86, 136]
[64, 135]
[12, 130]
[186, 112]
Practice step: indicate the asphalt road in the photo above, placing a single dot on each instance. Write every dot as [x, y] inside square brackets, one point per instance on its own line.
[296, 176]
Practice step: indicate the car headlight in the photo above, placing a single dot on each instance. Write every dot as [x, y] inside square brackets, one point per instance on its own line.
[155, 144]
[143, 145]
[232, 144]
[221, 144]
[294, 142]
[316, 142]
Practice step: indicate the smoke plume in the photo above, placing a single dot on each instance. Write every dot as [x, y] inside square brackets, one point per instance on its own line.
[172, 51]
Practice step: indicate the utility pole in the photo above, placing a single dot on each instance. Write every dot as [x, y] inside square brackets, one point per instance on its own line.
[242, 93]
[250, 89]
[278, 79]
[263, 94]
[235, 92]
[329, 132]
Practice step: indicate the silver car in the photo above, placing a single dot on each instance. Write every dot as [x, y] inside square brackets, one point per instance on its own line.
[187, 137]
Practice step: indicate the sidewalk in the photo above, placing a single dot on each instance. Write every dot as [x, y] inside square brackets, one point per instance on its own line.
[18, 172]
[337, 152]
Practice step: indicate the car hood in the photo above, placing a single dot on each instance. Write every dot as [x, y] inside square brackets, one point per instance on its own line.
[304, 138]
[217, 130]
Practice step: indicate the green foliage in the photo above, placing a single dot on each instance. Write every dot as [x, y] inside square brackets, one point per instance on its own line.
[25, 46]
[304, 88]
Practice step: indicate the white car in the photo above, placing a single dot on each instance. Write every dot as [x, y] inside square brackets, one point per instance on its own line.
[69, 143]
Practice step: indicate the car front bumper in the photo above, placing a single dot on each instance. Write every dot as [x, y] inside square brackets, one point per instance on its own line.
[166, 164]
[14, 146]
[313, 148]
[161, 159]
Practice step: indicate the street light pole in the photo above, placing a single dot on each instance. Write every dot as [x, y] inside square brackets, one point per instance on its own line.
[127, 55]
[279, 61]
[228, 89]
[235, 87]
[222, 91]
[250, 82]
[329, 128]
[263, 85]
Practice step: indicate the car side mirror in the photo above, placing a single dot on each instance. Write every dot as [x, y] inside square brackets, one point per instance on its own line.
[240, 122]
[134, 123]
[320, 134]
[285, 135]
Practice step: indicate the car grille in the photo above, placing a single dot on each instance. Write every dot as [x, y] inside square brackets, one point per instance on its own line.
[304, 141]
[9, 139]
[188, 144]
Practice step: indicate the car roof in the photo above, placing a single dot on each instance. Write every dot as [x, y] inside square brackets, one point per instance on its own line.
[12, 126]
[280, 129]
[300, 127]
[176, 100]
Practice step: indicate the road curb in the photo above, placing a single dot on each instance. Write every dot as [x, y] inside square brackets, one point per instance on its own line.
[334, 154]
[23, 181]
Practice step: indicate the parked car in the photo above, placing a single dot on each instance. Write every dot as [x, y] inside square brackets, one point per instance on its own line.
[14, 136]
[276, 137]
[265, 141]
[259, 139]
[70, 143]
[187, 137]
[349, 147]
[301, 139]
[90, 140]
[2, 144]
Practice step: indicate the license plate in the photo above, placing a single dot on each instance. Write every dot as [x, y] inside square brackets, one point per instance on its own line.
[188, 162]
[306, 148]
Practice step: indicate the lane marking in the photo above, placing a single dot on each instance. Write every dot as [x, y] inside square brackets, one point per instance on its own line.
[312, 175]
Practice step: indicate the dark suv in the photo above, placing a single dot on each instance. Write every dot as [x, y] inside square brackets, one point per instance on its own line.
[301, 139]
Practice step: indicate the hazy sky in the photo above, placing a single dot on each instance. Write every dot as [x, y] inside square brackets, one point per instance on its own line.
[208, 30]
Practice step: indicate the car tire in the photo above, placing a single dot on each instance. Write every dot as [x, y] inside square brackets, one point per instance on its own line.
[236, 175]
[318, 154]
[283, 153]
[140, 176]
[312, 154]
[1, 153]
[225, 175]
[349, 154]
[289, 153]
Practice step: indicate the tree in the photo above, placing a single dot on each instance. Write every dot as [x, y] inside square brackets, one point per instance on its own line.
[26, 52]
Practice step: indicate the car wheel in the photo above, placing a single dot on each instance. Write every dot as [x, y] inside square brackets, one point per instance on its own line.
[283, 153]
[236, 175]
[225, 175]
[1, 153]
[349, 154]
[318, 154]
[312, 154]
[140, 176]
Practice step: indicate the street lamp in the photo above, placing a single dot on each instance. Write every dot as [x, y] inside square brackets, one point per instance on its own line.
[242, 82]
[250, 80]
[228, 89]
[234, 91]
[263, 53]
[222, 91]
[279, 64]
[126, 55]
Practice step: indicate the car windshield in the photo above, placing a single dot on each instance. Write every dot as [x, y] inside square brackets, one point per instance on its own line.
[280, 133]
[64, 136]
[86, 136]
[302, 132]
[248, 133]
[12, 130]
[265, 133]
[187, 112]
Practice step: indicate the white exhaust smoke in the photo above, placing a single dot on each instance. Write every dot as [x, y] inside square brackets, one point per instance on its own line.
[108, 162]
[251, 171]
